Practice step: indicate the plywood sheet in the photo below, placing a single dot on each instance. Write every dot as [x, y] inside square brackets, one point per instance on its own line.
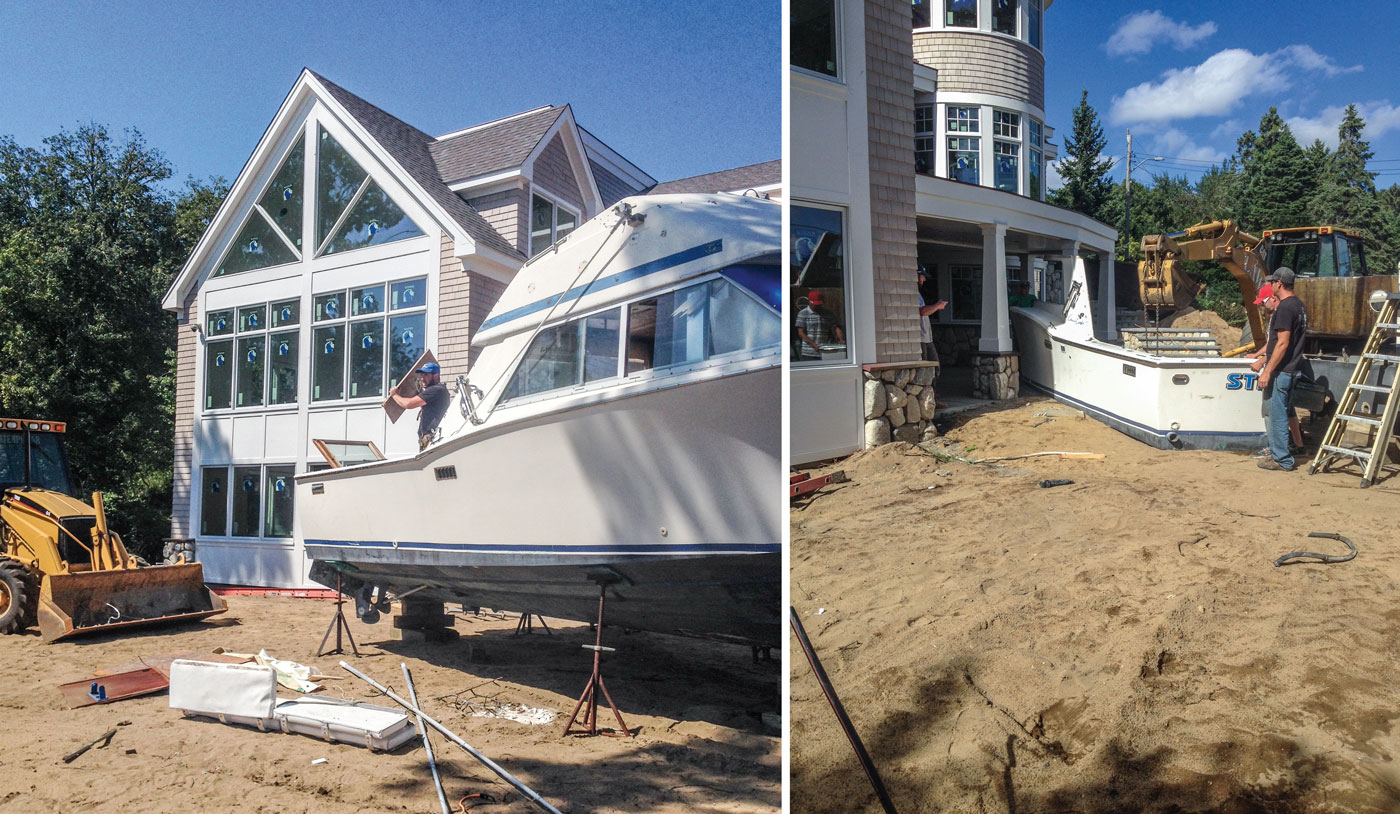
[118, 687]
[408, 387]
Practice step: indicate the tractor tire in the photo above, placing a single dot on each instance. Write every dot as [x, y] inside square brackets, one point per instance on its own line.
[19, 597]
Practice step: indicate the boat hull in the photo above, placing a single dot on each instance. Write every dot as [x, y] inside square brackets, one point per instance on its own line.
[669, 493]
[1167, 402]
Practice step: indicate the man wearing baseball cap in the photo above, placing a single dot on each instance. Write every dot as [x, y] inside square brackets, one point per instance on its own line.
[1269, 302]
[433, 398]
[1283, 359]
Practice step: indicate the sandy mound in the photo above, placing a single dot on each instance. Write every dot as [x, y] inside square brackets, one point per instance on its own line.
[702, 746]
[1228, 337]
[1122, 644]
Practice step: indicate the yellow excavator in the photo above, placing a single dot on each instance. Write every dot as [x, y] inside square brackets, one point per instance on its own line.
[1333, 280]
[61, 567]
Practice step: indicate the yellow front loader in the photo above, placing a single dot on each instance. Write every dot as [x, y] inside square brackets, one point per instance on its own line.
[61, 567]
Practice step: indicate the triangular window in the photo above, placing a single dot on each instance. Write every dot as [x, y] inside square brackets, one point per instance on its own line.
[273, 227]
[352, 211]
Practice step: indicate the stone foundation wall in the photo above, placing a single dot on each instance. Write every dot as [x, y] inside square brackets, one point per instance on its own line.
[996, 376]
[899, 402]
[957, 344]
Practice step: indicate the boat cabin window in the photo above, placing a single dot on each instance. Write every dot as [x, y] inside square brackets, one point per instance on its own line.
[690, 325]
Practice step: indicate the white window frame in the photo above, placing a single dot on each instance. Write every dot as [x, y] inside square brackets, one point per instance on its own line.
[847, 286]
[838, 15]
[229, 469]
[346, 319]
[555, 205]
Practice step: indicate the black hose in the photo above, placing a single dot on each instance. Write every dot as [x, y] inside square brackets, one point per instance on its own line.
[1328, 558]
[840, 710]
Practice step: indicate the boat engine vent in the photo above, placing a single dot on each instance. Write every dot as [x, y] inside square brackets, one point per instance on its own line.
[445, 473]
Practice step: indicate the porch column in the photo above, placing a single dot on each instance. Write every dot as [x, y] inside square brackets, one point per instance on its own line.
[996, 319]
[996, 367]
[1108, 296]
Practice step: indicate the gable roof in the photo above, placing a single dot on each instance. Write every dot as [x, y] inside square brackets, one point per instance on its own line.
[411, 148]
[492, 147]
[752, 176]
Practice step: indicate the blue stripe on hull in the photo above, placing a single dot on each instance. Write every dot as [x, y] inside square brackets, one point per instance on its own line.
[684, 549]
[1187, 439]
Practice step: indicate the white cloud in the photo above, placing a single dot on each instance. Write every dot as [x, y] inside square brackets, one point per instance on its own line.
[1175, 144]
[1217, 86]
[1052, 179]
[1380, 118]
[1138, 33]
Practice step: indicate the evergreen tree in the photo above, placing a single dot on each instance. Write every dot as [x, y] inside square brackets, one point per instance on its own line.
[88, 246]
[1277, 183]
[1346, 195]
[1086, 186]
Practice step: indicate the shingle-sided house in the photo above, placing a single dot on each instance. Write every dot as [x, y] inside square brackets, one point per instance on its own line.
[349, 244]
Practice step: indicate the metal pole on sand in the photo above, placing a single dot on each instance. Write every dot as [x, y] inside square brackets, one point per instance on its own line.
[427, 744]
[840, 710]
[447, 733]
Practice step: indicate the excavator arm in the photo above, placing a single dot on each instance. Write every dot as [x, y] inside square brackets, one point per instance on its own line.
[1163, 283]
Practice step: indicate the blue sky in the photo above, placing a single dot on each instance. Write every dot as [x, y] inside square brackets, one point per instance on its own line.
[679, 88]
[1188, 78]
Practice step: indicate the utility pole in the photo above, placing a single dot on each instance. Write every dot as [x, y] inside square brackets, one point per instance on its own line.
[1128, 200]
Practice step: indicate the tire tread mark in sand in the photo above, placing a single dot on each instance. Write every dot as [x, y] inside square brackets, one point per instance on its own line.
[1036, 734]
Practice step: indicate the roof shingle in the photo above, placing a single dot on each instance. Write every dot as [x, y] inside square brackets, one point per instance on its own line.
[492, 147]
[749, 177]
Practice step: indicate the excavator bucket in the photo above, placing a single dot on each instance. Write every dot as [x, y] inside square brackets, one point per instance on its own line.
[1163, 284]
[84, 602]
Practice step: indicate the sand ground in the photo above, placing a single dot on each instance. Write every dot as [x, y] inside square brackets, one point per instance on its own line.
[1122, 644]
[702, 744]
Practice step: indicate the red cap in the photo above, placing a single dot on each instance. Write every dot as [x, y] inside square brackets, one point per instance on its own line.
[814, 297]
[1265, 291]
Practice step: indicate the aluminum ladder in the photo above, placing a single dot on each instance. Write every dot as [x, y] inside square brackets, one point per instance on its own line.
[1370, 459]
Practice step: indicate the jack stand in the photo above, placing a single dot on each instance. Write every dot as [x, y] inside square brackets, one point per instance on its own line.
[589, 699]
[526, 624]
[338, 624]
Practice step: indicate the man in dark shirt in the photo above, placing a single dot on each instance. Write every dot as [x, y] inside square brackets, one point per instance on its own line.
[433, 398]
[1287, 331]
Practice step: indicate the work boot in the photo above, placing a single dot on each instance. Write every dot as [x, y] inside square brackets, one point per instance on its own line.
[1271, 464]
[1263, 453]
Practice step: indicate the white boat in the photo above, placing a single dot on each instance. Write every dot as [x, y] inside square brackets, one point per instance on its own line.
[1170, 402]
[621, 425]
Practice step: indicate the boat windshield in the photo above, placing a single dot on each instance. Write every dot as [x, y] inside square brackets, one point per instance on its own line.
[694, 324]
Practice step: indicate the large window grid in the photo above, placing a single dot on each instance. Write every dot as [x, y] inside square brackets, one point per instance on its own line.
[253, 500]
[713, 319]
[549, 223]
[366, 337]
[257, 365]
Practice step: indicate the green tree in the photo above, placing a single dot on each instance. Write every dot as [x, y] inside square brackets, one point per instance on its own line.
[1084, 171]
[1277, 179]
[89, 243]
[1346, 193]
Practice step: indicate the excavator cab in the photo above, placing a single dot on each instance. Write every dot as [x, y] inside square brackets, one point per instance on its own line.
[60, 566]
[1317, 251]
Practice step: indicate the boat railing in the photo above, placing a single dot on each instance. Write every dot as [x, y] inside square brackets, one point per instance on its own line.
[465, 391]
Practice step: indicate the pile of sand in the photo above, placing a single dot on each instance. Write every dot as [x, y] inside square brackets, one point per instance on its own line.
[1228, 337]
[1122, 644]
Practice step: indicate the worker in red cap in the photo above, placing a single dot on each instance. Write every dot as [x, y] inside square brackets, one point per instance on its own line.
[1269, 303]
[816, 326]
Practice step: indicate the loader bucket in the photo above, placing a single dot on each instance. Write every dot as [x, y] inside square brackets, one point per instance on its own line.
[101, 601]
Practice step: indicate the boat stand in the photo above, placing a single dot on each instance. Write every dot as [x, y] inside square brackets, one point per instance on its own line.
[588, 702]
[339, 625]
[526, 624]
